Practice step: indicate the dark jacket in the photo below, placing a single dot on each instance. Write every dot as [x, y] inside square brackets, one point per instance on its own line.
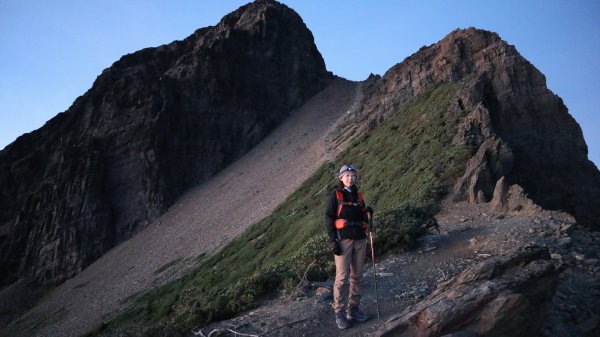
[350, 213]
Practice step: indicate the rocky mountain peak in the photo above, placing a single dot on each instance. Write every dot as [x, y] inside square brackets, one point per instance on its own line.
[153, 124]
[521, 130]
[258, 12]
[263, 18]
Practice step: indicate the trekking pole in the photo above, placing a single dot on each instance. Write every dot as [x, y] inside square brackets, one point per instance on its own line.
[373, 259]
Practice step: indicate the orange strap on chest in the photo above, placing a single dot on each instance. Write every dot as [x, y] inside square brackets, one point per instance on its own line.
[342, 223]
[340, 200]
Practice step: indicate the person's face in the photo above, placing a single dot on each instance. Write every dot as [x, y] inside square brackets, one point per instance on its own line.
[349, 179]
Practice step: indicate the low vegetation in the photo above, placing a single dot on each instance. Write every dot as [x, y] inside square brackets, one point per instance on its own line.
[406, 166]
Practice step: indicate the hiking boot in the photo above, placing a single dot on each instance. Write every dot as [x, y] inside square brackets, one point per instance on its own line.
[340, 320]
[356, 314]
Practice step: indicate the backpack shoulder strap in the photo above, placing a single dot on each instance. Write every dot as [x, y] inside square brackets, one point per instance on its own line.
[361, 200]
[340, 201]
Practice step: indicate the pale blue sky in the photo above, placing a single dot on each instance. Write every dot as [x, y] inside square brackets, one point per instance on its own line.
[51, 51]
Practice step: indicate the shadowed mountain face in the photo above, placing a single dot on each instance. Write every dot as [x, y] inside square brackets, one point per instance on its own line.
[153, 124]
[519, 128]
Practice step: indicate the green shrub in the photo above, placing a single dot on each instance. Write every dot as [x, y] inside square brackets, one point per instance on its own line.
[399, 228]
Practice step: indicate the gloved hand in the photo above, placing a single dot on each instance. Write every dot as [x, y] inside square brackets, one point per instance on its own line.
[336, 248]
[370, 210]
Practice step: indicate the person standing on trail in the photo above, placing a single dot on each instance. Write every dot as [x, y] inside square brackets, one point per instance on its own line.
[346, 221]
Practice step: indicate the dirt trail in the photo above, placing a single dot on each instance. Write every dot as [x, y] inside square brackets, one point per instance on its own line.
[203, 220]
[469, 234]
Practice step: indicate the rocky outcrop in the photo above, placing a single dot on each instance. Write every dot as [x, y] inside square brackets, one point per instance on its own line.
[519, 294]
[520, 130]
[512, 199]
[492, 161]
[488, 299]
[154, 123]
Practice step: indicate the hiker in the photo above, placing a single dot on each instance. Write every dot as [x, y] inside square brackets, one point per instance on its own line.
[346, 221]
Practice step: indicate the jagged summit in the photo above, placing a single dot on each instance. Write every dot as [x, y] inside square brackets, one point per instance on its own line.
[260, 12]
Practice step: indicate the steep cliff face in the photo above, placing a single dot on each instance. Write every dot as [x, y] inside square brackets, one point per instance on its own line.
[518, 127]
[154, 123]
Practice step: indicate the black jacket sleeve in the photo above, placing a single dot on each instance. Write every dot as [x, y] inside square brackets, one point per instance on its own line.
[330, 217]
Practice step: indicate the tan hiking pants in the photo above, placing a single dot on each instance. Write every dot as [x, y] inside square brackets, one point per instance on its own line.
[351, 262]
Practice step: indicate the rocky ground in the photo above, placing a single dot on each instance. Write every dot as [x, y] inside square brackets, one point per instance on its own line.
[471, 235]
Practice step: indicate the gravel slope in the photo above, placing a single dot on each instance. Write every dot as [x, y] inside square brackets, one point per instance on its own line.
[204, 219]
